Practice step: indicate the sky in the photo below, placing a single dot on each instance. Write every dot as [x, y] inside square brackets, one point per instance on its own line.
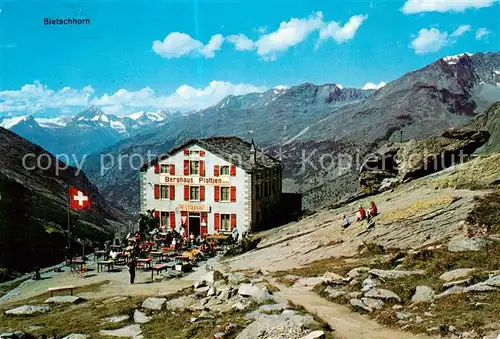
[188, 55]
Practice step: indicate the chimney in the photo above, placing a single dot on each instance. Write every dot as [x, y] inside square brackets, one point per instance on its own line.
[253, 155]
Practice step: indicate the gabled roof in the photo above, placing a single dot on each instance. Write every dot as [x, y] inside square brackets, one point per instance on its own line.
[232, 149]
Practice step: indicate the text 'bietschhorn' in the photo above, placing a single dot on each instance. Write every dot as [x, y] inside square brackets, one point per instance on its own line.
[69, 21]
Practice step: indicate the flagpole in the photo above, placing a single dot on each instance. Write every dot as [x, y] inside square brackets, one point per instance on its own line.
[69, 223]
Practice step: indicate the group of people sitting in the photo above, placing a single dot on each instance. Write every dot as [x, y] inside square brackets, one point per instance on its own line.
[362, 214]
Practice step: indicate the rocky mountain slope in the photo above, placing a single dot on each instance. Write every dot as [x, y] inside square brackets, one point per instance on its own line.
[33, 206]
[489, 121]
[85, 133]
[322, 133]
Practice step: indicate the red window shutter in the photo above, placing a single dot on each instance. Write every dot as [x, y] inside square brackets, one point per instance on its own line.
[203, 225]
[171, 192]
[216, 170]
[216, 221]
[202, 153]
[186, 193]
[186, 167]
[202, 168]
[186, 152]
[233, 193]
[233, 170]
[184, 215]
[216, 193]
[157, 215]
[172, 169]
[233, 221]
[202, 193]
[172, 220]
[157, 168]
[157, 191]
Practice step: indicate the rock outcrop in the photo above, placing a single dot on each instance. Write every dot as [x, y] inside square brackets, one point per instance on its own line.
[401, 162]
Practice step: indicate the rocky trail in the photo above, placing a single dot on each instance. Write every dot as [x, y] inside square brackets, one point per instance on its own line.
[345, 323]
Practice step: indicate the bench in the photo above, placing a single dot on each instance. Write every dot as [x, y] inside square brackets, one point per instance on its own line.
[158, 268]
[61, 288]
[109, 264]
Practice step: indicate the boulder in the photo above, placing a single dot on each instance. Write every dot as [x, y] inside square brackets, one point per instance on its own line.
[28, 310]
[153, 303]
[382, 294]
[315, 335]
[334, 293]
[131, 331]
[201, 291]
[456, 274]
[14, 335]
[464, 244]
[423, 294]
[493, 281]
[64, 299]
[373, 303]
[452, 290]
[181, 303]
[403, 316]
[332, 278]
[77, 336]
[456, 283]
[236, 278]
[358, 271]
[480, 287]
[225, 293]
[369, 283]
[395, 163]
[140, 318]
[359, 303]
[255, 292]
[394, 274]
[277, 326]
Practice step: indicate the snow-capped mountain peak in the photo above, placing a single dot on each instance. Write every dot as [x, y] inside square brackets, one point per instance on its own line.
[9, 122]
[453, 59]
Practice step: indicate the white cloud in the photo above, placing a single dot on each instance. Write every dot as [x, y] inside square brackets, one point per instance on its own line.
[429, 40]
[481, 33]
[419, 6]
[432, 40]
[176, 45]
[241, 42]
[213, 46]
[371, 85]
[32, 98]
[342, 33]
[289, 34]
[281, 87]
[35, 98]
[460, 31]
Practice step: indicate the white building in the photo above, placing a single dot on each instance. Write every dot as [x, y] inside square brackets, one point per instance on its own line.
[212, 184]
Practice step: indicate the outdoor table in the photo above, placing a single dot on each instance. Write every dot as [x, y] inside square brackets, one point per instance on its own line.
[145, 263]
[158, 268]
[161, 255]
[109, 264]
[98, 254]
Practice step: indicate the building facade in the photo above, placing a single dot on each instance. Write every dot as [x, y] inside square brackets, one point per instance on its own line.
[213, 184]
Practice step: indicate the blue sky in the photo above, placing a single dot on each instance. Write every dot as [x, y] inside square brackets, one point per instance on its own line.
[115, 63]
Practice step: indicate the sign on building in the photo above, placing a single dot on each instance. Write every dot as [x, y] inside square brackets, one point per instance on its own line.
[173, 179]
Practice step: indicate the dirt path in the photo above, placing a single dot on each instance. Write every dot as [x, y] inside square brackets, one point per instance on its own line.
[345, 323]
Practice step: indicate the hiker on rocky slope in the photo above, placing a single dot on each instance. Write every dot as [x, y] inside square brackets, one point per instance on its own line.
[361, 213]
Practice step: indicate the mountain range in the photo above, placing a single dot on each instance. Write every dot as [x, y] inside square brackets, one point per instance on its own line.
[309, 126]
[88, 131]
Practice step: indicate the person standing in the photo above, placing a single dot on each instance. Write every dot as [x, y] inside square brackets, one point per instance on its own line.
[131, 265]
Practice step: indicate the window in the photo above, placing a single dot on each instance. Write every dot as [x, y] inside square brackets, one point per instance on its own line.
[194, 168]
[194, 193]
[164, 219]
[194, 152]
[165, 169]
[225, 222]
[257, 191]
[224, 193]
[164, 192]
[224, 170]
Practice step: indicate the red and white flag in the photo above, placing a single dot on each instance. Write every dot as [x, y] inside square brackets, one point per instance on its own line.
[78, 200]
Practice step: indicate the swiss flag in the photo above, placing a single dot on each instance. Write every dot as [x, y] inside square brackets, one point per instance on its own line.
[78, 200]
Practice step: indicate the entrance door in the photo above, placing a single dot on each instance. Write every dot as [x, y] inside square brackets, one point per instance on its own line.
[194, 224]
